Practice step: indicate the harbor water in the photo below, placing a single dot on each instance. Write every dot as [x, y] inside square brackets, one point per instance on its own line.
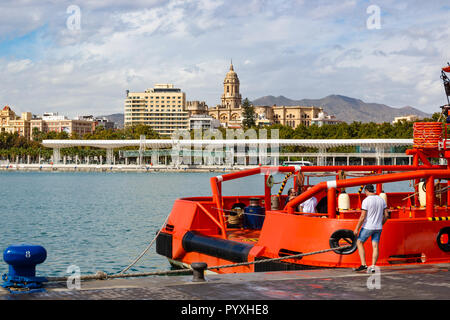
[103, 221]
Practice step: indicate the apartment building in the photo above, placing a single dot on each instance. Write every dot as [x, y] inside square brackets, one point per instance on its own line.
[162, 107]
[24, 125]
[52, 122]
[11, 123]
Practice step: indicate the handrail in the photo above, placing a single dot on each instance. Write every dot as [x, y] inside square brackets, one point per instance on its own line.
[393, 177]
[216, 182]
[265, 169]
[217, 198]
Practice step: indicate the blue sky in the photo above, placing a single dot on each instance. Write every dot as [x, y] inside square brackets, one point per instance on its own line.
[297, 48]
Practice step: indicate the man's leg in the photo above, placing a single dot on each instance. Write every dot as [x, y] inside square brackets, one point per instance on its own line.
[375, 240]
[362, 253]
[375, 252]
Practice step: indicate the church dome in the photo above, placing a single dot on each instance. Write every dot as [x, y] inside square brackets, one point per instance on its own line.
[231, 75]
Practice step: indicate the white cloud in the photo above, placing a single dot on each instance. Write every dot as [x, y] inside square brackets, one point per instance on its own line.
[299, 49]
[18, 66]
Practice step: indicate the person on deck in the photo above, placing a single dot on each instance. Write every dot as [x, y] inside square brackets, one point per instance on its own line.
[309, 206]
[291, 194]
[374, 214]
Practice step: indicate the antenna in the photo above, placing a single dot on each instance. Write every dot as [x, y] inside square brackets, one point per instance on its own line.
[446, 82]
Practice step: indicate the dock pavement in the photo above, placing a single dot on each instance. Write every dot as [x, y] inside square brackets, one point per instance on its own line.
[410, 282]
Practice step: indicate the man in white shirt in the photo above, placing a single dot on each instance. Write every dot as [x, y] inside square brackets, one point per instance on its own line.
[309, 206]
[374, 214]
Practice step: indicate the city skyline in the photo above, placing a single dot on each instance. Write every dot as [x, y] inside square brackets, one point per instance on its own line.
[79, 57]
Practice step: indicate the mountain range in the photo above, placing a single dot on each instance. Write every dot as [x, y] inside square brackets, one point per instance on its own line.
[346, 108]
[117, 118]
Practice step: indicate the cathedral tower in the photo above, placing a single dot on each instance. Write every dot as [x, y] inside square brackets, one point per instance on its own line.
[231, 98]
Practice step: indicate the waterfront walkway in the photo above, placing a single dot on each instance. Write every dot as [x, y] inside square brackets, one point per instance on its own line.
[425, 282]
[117, 168]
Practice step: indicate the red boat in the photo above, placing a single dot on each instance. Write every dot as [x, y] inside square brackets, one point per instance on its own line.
[226, 230]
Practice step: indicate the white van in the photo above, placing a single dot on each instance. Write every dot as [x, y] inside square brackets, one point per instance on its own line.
[297, 163]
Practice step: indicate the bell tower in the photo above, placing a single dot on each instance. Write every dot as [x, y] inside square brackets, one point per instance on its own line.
[231, 98]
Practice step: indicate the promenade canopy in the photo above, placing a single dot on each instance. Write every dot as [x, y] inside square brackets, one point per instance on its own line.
[163, 143]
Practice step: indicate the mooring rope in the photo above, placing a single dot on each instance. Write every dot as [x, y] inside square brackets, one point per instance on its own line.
[100, 275]
[146, 249]
[283, 183]
[300, 255]
[243, 213]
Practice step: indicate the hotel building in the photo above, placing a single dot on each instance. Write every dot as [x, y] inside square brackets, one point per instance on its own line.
[163, 108]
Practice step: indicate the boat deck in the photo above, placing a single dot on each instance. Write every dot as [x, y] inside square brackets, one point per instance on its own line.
[243, 235]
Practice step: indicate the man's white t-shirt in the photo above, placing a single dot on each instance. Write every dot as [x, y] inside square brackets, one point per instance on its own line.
[374, 205]
[309, 206]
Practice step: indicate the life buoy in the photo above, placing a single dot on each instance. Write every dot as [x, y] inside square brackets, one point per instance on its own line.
[343, 235]
[444, 246]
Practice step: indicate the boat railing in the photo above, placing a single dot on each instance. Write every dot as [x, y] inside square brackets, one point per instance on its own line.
[333, 185]
[416, 171]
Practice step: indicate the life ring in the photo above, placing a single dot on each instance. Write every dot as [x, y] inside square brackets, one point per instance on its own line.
[345, 235]
[444, 246]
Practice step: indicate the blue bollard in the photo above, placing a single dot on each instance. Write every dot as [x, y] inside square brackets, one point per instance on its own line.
[22, 260]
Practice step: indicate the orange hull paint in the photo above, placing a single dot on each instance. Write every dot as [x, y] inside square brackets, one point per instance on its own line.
[197, 229]
[403, 240]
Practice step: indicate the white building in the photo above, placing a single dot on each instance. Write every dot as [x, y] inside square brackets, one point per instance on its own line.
[323, 118]
[203, 122]
[53, 116]
[411, 117]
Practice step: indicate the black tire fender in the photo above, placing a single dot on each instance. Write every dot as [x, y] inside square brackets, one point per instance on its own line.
[346, 235]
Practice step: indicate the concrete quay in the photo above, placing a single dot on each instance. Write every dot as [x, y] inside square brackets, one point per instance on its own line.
[115, 168]
[411, 282]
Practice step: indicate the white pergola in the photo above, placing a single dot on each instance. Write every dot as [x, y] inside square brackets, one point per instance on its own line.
[163, 143]
[243, 144]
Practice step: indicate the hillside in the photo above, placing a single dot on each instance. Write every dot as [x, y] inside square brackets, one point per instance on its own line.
[117, 118]
[346, 108]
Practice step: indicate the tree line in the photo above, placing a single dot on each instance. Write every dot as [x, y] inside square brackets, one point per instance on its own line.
[13, 145]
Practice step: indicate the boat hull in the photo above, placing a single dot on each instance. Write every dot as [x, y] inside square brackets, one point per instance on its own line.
[192, 236]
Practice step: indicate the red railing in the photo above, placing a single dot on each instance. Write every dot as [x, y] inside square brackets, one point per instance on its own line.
[431, 172]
